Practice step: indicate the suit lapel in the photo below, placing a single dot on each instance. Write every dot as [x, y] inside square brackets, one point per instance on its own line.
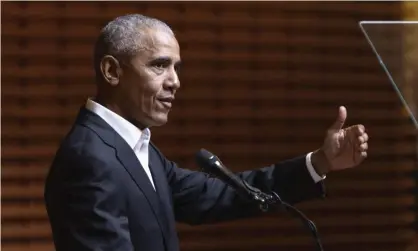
[127, 157]
[160, 182]
[158, 174]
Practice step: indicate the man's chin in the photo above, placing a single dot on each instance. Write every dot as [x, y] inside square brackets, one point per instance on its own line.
[159, 120]
[150, 121]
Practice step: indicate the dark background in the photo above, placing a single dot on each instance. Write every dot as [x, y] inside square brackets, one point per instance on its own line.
[261, 82]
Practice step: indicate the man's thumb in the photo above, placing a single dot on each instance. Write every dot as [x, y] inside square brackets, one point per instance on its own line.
[342, 116]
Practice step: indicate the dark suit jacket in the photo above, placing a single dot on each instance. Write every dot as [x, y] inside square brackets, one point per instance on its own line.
[99, 198]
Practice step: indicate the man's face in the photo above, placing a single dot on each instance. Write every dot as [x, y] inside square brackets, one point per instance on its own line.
[150, 80]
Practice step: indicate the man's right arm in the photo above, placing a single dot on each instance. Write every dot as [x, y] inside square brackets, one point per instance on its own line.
[84, 206]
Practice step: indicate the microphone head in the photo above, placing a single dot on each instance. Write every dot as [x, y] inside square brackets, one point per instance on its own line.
[211, 164]
[204, 154]
[206, 160]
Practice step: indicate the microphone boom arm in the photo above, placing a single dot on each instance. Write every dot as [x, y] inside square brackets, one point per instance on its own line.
[267, 200]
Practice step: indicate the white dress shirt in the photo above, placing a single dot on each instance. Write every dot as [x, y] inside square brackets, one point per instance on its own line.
[311, 169]
[139, 140]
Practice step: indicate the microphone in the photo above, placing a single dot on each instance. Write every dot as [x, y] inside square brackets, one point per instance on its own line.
[212, 165]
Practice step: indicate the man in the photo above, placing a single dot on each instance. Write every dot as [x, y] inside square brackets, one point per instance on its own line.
[110, 188]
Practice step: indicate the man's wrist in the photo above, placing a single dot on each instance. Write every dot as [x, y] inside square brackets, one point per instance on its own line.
[320, 162]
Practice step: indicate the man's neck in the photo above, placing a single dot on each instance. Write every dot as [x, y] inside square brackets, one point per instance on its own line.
[114, 107]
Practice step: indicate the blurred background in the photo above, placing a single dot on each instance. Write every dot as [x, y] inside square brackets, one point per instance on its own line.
[261, 82]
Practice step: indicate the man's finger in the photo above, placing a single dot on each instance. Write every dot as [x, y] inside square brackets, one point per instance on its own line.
[342, 116]
[363, 138]
[360, 156]
[363, 147]
[360, 129]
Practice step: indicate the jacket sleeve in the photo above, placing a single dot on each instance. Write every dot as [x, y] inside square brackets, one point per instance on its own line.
[84, 206]
[199, 198]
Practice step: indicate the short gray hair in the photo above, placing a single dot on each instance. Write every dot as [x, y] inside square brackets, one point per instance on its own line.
[123, 36]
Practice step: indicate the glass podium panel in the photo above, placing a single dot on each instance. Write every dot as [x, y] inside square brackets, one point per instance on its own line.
[395, 44]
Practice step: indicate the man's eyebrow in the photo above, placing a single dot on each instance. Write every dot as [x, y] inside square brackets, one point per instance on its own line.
[165, 59]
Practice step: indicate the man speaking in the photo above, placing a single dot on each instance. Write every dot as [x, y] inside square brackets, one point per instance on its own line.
[110, 188]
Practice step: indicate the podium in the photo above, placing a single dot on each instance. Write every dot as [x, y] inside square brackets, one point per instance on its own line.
[395, 44]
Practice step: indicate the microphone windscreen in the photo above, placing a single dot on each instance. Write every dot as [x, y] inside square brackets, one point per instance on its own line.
[204, 154]
[204, 159]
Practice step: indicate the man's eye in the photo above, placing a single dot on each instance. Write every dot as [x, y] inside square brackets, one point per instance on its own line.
[159, 66]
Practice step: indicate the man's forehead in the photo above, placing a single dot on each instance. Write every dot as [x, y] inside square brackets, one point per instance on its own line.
[157, 43]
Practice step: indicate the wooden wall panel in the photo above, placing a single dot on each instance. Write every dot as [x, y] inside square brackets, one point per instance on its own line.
[261, 82]
[410, 13]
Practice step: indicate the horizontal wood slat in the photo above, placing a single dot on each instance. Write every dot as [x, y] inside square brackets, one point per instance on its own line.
[41, 230]
[233, 112]
[17, 171]
[206, 97]
[16, 214]
[205, 40]
[228, 129]
[394, 245]
[43, 92]
[261, 82]
[260, 76]
[36, 191]
[201, 8]
[228, 21]
[233, 148]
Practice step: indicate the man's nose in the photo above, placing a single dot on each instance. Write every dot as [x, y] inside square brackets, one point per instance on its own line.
[173, 81]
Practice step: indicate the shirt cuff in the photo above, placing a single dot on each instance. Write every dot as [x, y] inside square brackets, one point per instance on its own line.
[311, 169]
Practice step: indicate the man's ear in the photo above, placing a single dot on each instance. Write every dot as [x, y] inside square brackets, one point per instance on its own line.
[110, 69]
